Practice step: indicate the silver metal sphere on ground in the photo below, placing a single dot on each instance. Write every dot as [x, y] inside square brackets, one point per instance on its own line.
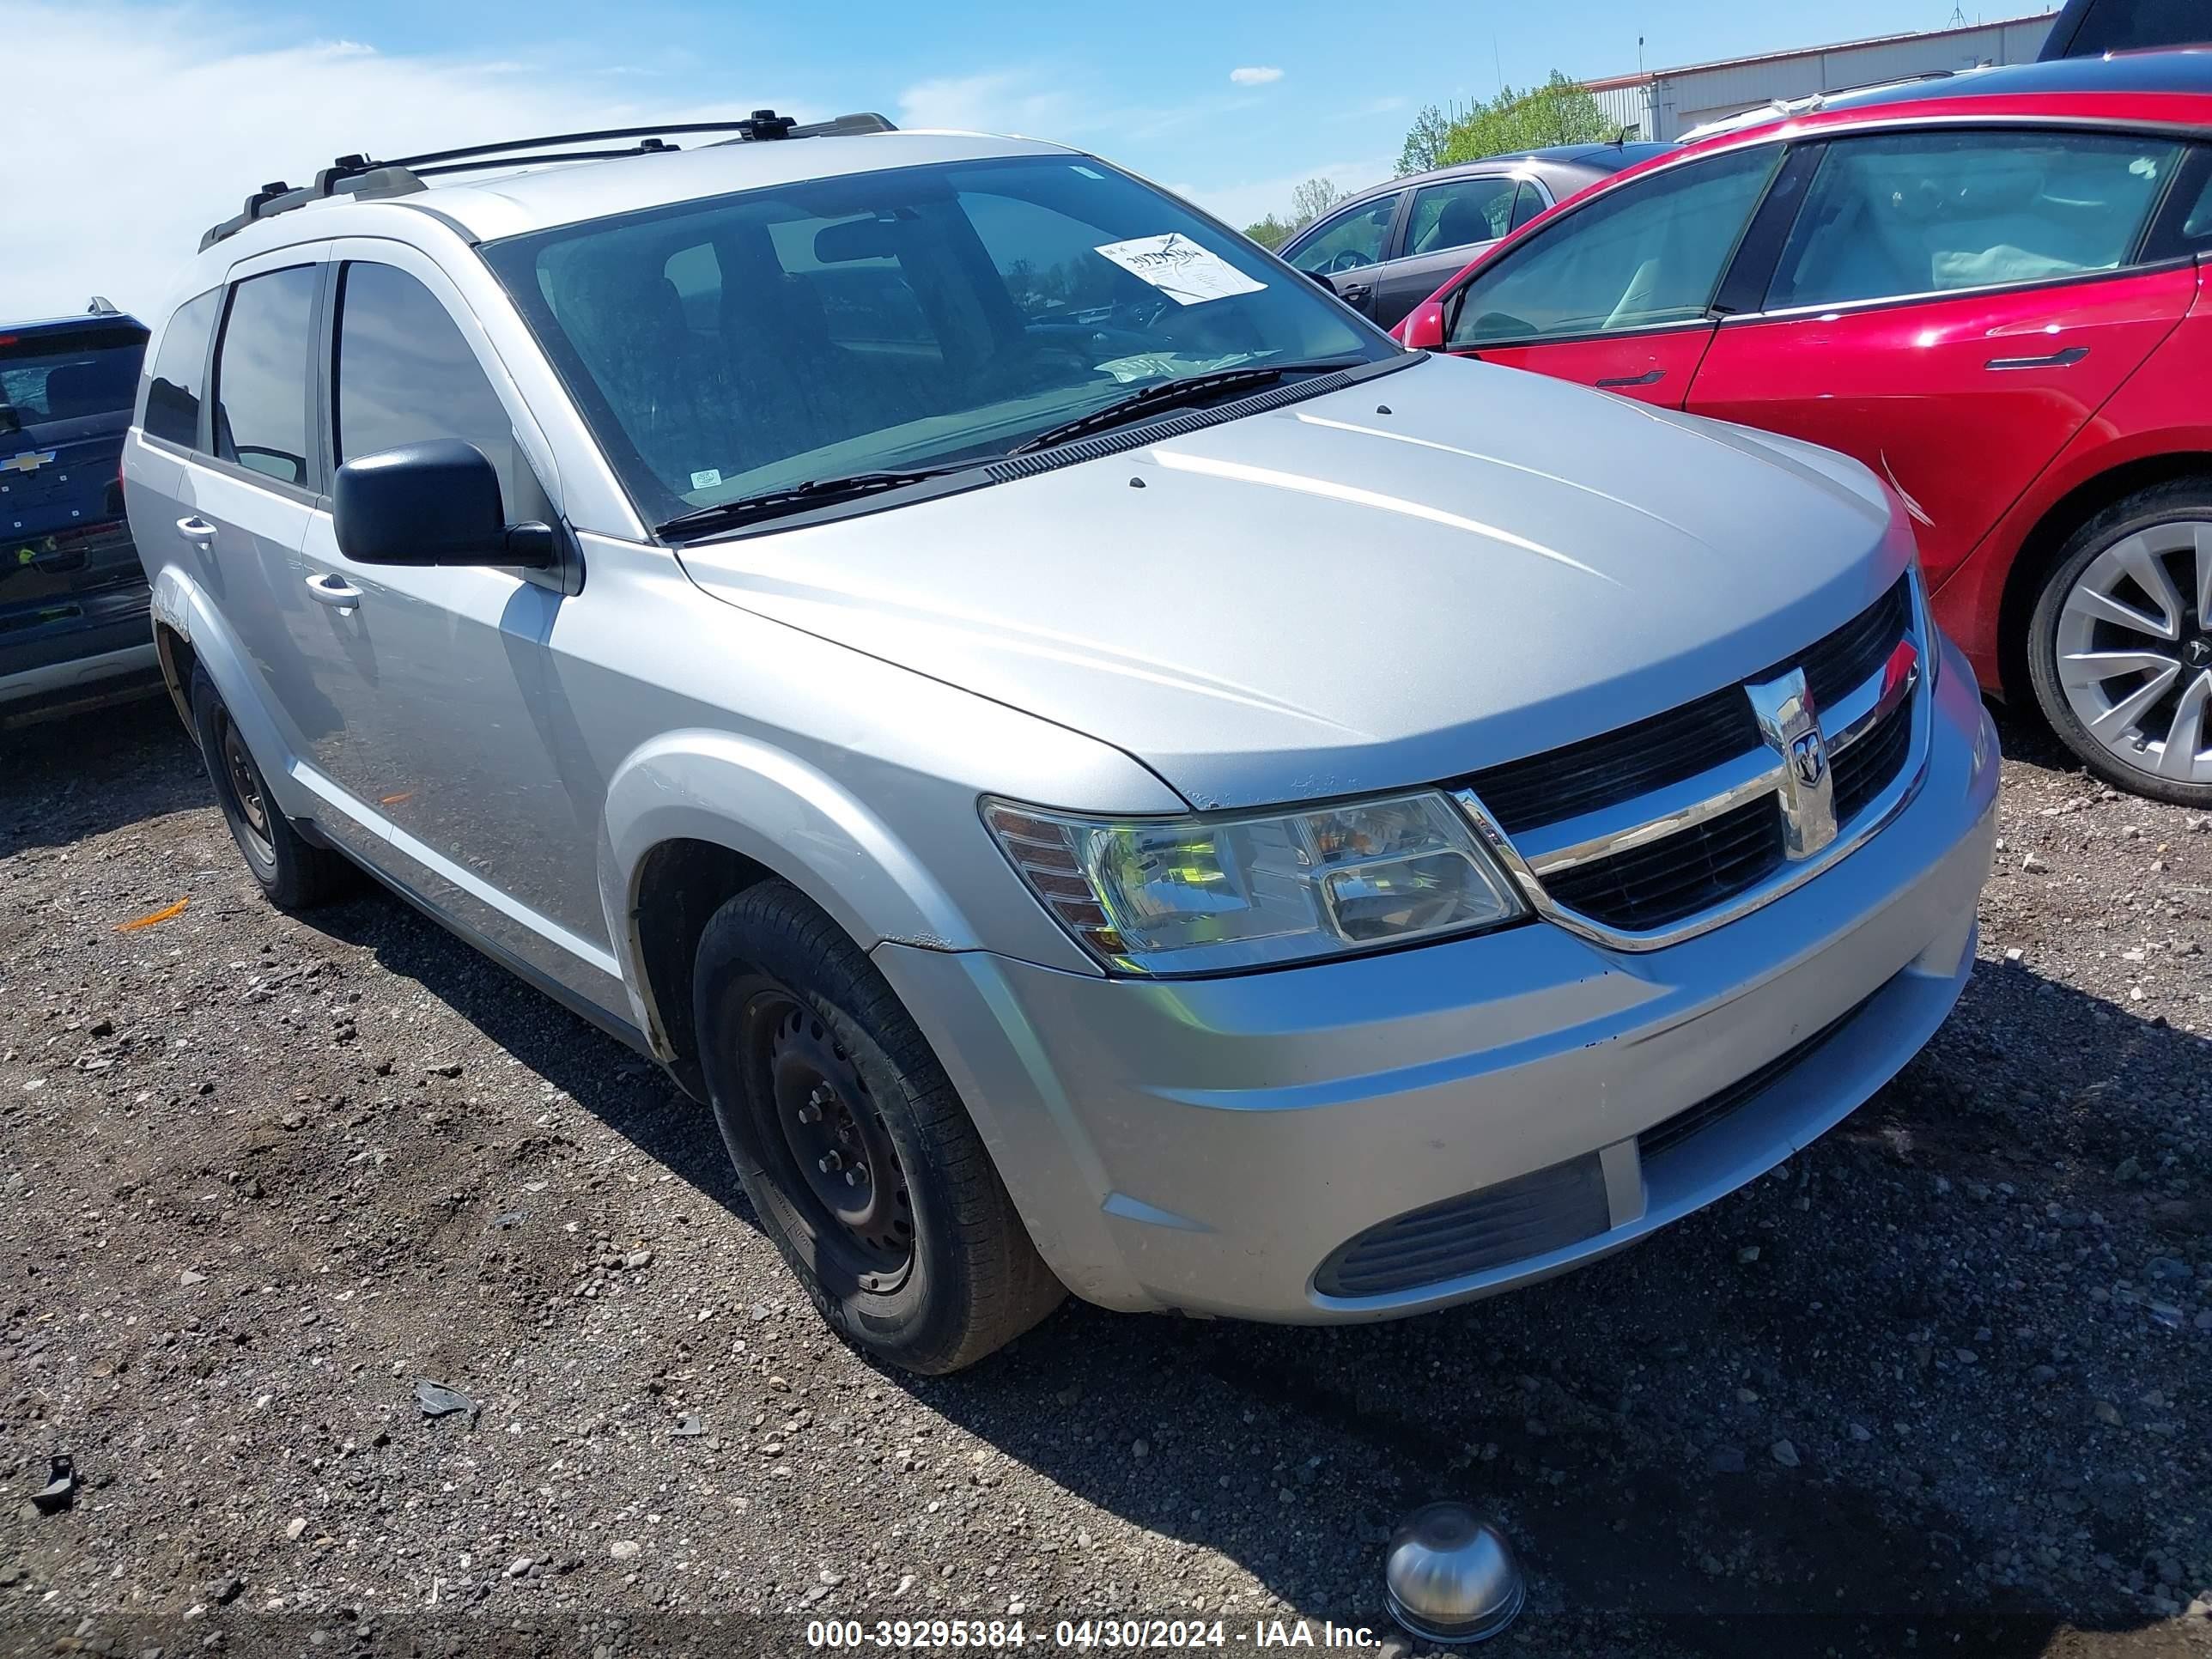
[1450, 1576]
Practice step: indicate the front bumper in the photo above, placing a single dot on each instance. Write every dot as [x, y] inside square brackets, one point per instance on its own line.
[1210, 1146]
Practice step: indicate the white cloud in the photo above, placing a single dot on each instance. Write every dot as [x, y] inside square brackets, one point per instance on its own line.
[1003, 101]
[1246, 202]
[195, 108]
[1254, 75]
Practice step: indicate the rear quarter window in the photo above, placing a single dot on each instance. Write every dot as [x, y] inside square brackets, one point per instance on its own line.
[178, 379]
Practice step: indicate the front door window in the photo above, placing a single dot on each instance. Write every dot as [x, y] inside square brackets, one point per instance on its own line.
[1642, 257]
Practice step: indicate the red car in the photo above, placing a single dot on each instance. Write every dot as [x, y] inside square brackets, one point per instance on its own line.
[1991, 290]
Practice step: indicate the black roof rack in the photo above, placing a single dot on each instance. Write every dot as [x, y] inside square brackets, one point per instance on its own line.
[359, 176]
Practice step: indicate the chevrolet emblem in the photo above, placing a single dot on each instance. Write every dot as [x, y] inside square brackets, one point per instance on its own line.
[29, 461]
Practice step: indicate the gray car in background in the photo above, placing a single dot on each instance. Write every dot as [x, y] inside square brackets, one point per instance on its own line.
[1104, 773]
[1390, 246]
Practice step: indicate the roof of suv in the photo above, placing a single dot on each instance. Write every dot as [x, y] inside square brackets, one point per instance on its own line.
[545, 191]
[1596, 161]
[70, 325]
[565, 194]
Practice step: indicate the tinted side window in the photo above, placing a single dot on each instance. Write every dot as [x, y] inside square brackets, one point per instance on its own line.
[1925, 212]
[2127, 25]
[2195, 205]
[261, 373]
[172, 395]
[1648, 254]
[1352, 239]
[406, 374]
[1528, 204]
[1465, 212]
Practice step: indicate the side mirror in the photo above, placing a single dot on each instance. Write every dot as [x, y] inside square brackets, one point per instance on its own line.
[1425, 327]
[436, 502]
[1327, 287]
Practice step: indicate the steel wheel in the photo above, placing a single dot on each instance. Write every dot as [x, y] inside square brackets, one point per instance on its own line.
[2134, 648]
[246, 788]
[850, 1177]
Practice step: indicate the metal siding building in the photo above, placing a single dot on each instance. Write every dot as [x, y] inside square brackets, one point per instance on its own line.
[1664, 104]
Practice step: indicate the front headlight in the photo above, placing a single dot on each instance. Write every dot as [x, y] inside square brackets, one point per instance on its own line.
[1202, 895]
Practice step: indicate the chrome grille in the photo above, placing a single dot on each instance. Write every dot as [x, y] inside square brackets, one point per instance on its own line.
[1653, 831]
[1620, 765]
[1868, 767]
[1835, 665]
[1653, 885]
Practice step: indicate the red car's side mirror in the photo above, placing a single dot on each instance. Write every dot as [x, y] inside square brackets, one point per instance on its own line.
[1425, 327]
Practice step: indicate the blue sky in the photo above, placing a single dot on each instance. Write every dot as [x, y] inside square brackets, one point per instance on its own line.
[267, 91]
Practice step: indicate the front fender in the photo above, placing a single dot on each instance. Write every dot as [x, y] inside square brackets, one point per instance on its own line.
[792, 817]
[783, 815]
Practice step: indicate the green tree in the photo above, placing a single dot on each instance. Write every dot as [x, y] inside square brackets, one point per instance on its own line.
[1425, 141]
[1312, 200]
[1558, 113]
[1308, 202]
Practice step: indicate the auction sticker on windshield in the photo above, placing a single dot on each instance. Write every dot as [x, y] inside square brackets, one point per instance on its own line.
[1187, 273]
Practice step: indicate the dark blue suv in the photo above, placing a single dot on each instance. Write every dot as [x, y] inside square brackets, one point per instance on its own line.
[73, 624]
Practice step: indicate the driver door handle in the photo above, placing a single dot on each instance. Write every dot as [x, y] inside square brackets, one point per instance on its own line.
[1353, 293]
[1649, 377]
[334, 591]
[197, 529]
[2065, 358]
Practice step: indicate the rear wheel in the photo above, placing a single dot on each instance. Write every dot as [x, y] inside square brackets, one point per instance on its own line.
[2120, 644]
[295, 873]
[858, 1156]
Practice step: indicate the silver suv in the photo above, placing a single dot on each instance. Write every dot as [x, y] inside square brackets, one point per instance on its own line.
[1106, 773]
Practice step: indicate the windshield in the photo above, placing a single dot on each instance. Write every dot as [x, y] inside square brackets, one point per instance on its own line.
[67, 374]
[895, 321]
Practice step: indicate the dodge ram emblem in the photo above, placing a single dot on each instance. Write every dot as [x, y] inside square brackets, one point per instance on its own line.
[1810, 755]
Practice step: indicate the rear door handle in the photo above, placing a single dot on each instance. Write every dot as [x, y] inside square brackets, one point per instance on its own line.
[334, 591]
[2065, 359]
[1649, 377]
[197, 529]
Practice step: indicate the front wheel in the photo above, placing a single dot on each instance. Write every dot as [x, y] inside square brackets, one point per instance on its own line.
[2120, 644]
[857, 1154]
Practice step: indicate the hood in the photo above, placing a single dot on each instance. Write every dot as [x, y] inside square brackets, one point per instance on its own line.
[1397, 583]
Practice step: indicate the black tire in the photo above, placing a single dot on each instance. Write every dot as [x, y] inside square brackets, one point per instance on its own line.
[784, 1001]
[295, 873]
[2182, 500]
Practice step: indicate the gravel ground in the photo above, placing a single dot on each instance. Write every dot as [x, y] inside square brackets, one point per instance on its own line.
[1940, 1385]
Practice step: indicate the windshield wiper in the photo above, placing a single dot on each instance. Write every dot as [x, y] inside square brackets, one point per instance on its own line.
[1166, 395]
[799, 497]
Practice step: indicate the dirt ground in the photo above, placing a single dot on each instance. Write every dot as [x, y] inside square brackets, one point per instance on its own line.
[1938, 1386]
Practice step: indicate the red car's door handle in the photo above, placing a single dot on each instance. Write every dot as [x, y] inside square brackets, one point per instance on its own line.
[2065, 359]
[1649, 377]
